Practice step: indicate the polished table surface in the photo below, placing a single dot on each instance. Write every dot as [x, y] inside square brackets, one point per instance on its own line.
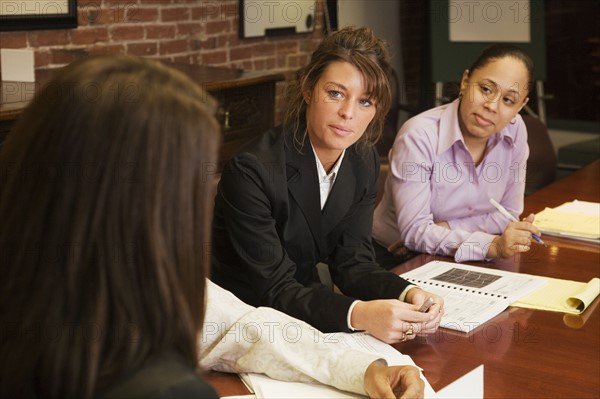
[526, 353]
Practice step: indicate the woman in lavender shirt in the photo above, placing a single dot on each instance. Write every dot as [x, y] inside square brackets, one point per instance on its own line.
[446, 164]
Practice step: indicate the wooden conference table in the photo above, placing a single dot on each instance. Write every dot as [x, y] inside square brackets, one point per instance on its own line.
[526, 353]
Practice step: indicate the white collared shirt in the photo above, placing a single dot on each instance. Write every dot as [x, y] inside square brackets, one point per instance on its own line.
[326, 180]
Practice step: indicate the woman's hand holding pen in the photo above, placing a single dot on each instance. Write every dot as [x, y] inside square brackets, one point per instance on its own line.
[418, 297]
[393, 321]
[516, 238]
[389, 320]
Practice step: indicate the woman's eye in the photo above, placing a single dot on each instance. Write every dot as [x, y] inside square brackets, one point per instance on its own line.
[334, 94]
[509, 101]
[366, 102]
[486, 89]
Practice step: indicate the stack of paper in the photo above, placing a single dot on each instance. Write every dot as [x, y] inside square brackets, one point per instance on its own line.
[576, 219]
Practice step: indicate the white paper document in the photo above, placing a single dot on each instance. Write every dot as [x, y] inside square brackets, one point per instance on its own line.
[472, 295]
[469, 386]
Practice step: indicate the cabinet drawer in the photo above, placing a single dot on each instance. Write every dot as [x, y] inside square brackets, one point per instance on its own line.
[245, 112]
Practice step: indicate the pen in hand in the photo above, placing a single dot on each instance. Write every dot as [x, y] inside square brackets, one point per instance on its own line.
[510, 217]
[426, 305]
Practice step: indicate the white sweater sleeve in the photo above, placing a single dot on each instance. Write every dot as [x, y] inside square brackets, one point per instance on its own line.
[239, 338]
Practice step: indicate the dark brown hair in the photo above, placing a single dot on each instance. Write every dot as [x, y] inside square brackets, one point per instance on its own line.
[502, 50]
[359, 47]
[102, 203]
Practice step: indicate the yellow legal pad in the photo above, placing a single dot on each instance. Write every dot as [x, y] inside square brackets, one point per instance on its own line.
[561, 296]
[576, 219]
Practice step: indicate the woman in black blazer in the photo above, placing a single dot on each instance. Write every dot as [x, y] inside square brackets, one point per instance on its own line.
[304, 193]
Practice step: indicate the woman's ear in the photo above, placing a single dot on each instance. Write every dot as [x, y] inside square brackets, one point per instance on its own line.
[306, 92]
[524, 104]
[464, 81]
[306, 95]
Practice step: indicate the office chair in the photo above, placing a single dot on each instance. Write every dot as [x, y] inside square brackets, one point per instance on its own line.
[542, 161]
[390, 126]
[383, 172]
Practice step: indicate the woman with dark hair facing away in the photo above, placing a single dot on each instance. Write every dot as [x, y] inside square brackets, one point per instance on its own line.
[103, 202]
[447, 163]
[102, 213]
[304, 193]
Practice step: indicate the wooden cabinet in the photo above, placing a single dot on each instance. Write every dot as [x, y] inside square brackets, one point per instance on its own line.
[246, 100]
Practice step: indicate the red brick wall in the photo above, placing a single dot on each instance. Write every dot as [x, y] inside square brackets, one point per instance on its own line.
[189, 31]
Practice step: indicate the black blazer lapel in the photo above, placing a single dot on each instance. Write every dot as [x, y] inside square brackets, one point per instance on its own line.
[341, 196]
[303, 185]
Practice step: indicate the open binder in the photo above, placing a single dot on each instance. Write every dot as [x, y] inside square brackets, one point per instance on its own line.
[472, 295]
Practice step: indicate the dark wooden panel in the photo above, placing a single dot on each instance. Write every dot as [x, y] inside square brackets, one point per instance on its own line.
[246, 100]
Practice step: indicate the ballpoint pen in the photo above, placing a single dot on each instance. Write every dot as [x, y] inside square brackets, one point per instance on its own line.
[426, 305]
[513, 219]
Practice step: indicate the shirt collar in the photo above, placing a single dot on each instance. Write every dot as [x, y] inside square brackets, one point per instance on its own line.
[449, 133]
[321, 170]
[450, 130]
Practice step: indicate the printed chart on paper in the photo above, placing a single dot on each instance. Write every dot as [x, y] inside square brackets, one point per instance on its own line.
[467, 278]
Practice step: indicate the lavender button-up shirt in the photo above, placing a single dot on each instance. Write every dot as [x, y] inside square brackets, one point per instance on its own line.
[433, 179]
